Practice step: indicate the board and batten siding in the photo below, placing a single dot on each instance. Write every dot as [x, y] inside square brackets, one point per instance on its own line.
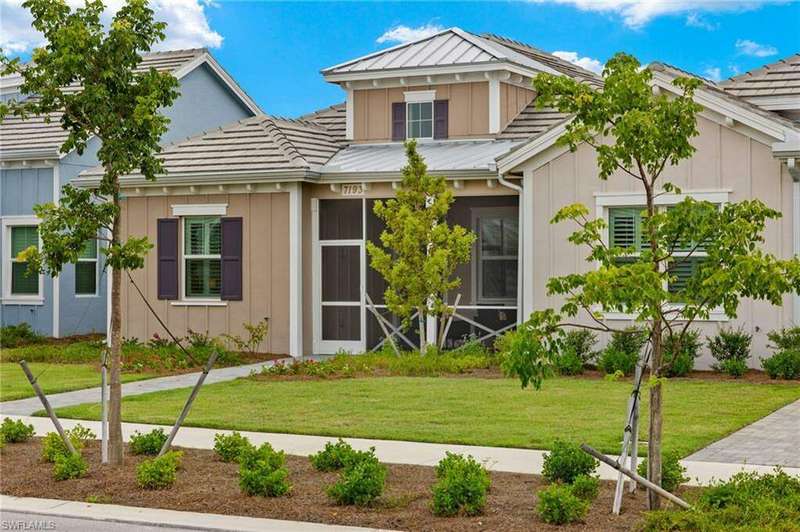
[468, 115]
[725, 160]
[265, 270]
[513, 100]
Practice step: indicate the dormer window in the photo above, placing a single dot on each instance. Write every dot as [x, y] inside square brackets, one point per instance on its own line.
[420, 120]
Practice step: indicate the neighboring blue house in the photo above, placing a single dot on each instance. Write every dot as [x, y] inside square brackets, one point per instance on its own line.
[32, 170]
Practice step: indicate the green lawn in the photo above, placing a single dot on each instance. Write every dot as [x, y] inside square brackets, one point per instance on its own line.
[53, 378]
[461, 410]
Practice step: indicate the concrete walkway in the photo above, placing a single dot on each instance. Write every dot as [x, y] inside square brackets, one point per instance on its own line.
[26, 407]
[773, 440]
[404, 452]
[53, 514]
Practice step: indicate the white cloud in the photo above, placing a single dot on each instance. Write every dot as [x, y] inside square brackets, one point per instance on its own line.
[713, 73]
[637, 13]
[588, 63]
[187, 24]
[752, 48]
[694, 20]
[403, 34]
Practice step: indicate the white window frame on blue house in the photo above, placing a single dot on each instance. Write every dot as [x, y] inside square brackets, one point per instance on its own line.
[8, 223]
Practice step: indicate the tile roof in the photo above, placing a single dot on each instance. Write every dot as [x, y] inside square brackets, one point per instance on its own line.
[332, 118]
[532, 121]
[36, 133]
[781, 78]
[259, 143]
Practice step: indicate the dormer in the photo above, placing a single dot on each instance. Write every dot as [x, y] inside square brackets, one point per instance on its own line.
[451, 85]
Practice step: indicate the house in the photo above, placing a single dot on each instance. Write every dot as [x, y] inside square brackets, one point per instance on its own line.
[268, 217]
[34, 170]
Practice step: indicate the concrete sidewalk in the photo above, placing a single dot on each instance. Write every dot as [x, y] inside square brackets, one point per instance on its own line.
[26, 407]
[404, 452]
[51, 510]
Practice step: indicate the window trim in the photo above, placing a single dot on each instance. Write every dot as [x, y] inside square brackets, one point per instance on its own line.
[8, 222]
[96, 261]
[476, 214]
[408, 118]
[607, 200]
[185, 300]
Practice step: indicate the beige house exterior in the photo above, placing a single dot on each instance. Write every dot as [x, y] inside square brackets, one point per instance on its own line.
[275, 213]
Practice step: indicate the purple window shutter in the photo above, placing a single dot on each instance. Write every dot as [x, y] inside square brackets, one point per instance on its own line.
[167, 240]
[398, 121]
[440, 111]
[231, 259]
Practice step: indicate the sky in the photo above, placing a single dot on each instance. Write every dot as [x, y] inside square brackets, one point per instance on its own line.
[275, 50]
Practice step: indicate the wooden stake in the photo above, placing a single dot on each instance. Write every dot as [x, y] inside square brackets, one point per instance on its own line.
[104, 409]
[635, 428]
[47, 406]
[635, 476]
[188, 405]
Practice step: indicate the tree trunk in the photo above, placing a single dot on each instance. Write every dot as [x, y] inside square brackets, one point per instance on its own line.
[115, 455]
[423, 345]
[654, 437]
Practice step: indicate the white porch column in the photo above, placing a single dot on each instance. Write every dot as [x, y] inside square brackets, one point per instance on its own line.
[526, 200]
[55, 280]
[348, 115]
[296, 270]
[796, 239]
[494, 105]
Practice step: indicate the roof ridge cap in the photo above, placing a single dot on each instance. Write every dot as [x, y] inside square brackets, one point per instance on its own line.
[282, 141]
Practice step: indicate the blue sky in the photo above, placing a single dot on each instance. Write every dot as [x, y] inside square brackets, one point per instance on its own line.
[275, 49]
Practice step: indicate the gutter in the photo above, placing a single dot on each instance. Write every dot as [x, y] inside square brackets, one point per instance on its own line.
[520, 242]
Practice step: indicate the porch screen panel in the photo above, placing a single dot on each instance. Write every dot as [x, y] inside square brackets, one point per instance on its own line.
[340, 219]
[341, 323]
[341, 273]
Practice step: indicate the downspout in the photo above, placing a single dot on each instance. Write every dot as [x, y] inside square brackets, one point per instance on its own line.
[520, 241]
[794, 171]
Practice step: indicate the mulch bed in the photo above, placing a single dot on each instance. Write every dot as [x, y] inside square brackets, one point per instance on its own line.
[206, 484]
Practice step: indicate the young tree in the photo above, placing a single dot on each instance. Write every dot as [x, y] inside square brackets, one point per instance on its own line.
[90, 76]
[420, 250]
[639, 132]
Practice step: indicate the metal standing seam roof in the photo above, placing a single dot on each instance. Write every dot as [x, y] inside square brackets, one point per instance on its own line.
[781, 78]
[40, 133]
[259, 143]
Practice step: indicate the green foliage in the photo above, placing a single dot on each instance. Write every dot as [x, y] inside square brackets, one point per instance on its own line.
[585, 487]
[361, 481]
[733, 367]
[568, 363]
[256, 334]
[419, 251]
[581, 342]
[334, 456]
[461, 486]
[748, 501]
[262, 471]
[19, 335]
[623, 351]
[68, 466]
[159, 472]
[613, 362]
[149, 443]
[566, 461]
[673, 474]
[199, 339]
[532, 347]
[53, 446]
[730, 345]
[783, 365]
[788, 339]
[558, 505]
[230, 446]
[16, 431]
[680, 351]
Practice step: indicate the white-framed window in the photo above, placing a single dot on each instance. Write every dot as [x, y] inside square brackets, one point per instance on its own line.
[497, 254]
[419, 120]
[202, 258]
[623, 213]
[19, 285]
[86, 270]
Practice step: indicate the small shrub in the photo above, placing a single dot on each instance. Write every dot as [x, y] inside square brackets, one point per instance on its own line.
[256, 333]
[581, 342]
[612, 361]
[681, 353]
[785, 339]
[733, 367]
[360, 483]
[673, 474]
[262, 471]
[53, 446]
[566, 461]
[69, 466]
[157, 342]
[19, 335]
[131, 342]
[230, 446]
[160, 472]
[149, 443]
[586, 487]
[559, 506]
[15, 431]
[461, 486]
[730, 344]
[334, 456]
[568, 363]
[199, 339]
[783, 365]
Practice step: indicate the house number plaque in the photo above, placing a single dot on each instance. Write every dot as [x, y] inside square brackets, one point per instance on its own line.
[353, 189]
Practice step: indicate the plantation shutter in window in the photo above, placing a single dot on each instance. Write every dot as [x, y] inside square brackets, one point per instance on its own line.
[231, 258]
[440, 116]
[625, 227]
[399, 121]
[682, 269]
[167, 242]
